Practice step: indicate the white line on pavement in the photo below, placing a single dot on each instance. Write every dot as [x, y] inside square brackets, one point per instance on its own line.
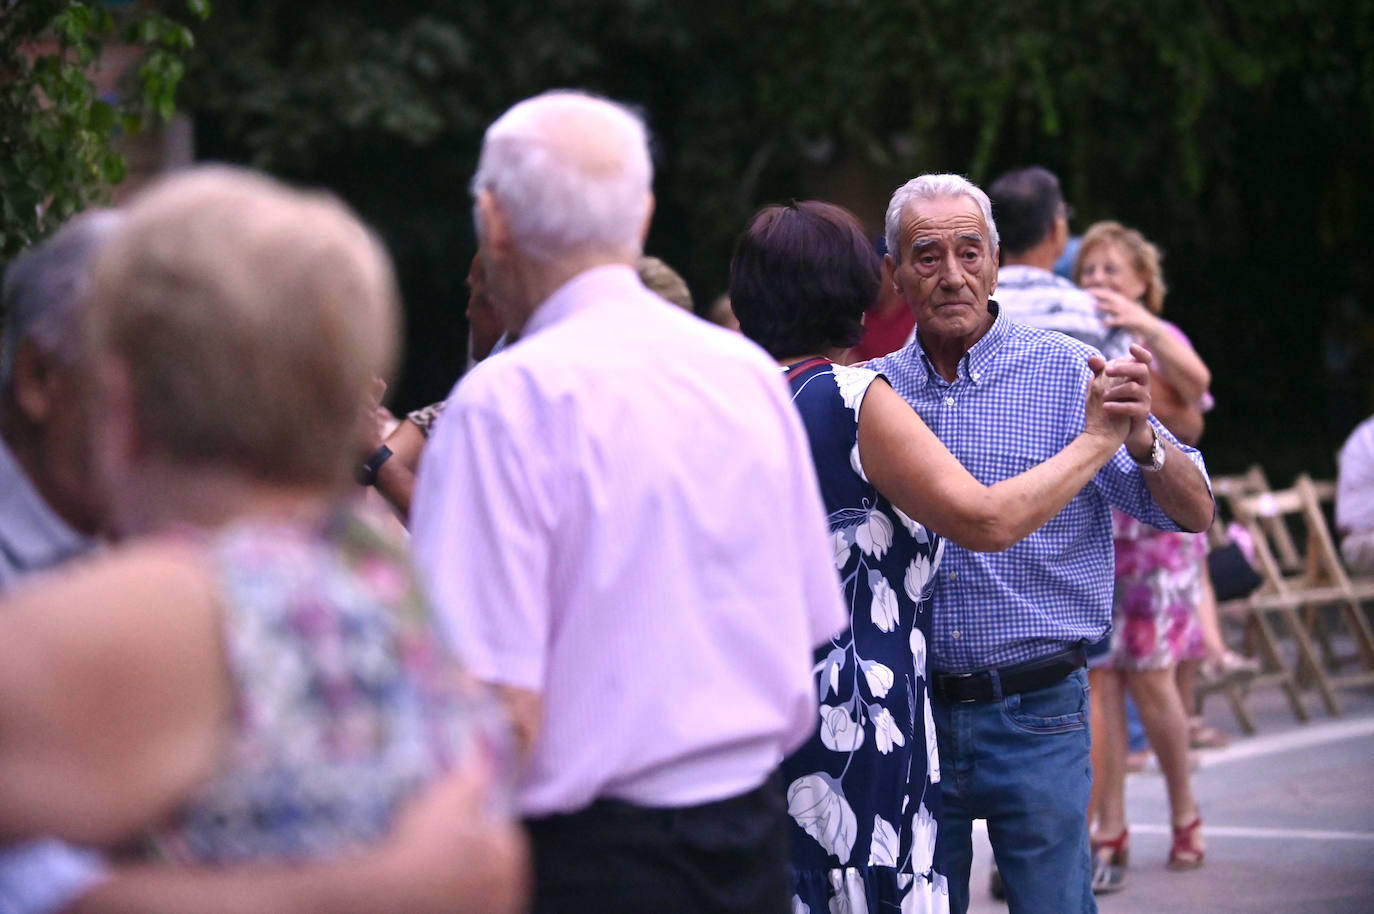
[1224, 831]
[1300, 738]
[1231, 831]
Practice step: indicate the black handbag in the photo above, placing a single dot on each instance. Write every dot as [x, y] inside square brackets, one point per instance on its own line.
[1233, 577]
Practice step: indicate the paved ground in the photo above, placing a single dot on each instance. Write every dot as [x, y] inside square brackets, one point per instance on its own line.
[1289, 817]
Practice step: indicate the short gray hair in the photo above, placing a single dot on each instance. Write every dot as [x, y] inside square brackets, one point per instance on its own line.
[252, 318]
[555, 200]
[928, 187]
[44, 286]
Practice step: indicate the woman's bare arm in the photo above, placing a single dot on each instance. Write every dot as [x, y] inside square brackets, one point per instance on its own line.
[396, 477]
[113, 694]
[911, 468]
[450, 854]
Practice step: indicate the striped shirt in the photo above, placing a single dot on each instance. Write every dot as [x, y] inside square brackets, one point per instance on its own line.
[1039, 298]
[1016, 401]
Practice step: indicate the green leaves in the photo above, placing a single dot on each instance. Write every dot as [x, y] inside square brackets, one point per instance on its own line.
[57, 135]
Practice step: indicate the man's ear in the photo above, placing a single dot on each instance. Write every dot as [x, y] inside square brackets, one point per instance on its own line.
[496, 240]
[32, 381]
[890, 272]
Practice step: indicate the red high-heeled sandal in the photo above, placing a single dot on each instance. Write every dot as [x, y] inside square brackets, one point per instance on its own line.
[1109, 863]
[1186, 852]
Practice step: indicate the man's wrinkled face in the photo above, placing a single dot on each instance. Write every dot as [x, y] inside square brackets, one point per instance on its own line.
[948, 267]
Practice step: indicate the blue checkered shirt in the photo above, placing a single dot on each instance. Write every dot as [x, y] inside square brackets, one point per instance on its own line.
[1016, 401]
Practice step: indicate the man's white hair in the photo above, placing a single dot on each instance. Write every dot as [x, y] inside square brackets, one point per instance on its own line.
[570, 172]
[929, 187]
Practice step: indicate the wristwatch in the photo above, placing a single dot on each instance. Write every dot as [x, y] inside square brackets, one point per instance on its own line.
[367, 473]
[1156, 461]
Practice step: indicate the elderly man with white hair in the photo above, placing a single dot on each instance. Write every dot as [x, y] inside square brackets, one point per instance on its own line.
[620, 523]
[1008, 687]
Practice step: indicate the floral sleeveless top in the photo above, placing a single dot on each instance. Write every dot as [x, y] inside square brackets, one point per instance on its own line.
[346, 701]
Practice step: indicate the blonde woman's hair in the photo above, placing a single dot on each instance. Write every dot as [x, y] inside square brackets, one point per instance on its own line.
[252, 320]
[1143, 256]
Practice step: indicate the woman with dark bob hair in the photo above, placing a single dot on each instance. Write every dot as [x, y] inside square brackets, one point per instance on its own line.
[864, 794]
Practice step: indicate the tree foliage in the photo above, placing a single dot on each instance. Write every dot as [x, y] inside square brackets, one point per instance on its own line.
[1237, 134]
[56, 133]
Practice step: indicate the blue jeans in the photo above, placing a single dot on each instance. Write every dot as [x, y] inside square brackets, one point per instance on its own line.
[1022, 763]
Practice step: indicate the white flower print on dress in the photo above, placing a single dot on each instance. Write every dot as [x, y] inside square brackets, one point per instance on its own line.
[917, 531]
[840, 543]
[879, 677]
[885, 846]
[853, 384]
[886, 733]
[839, 731]
[929, 897]
[856, 463]
[848, 895]
[815, 803]
[918, 651]
[923, 830]
[932, 747]
[916, 577]
[829, 671]
[874, 535]
[883, 610]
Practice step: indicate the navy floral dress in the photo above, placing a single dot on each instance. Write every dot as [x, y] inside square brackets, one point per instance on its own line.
[863, 793]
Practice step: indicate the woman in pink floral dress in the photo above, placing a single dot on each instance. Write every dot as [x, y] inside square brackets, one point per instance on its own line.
[1159, 576]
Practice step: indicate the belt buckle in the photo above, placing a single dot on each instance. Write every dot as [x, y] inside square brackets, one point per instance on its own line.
[963, 701]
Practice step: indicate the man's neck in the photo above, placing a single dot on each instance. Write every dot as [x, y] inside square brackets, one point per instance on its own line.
[537, 281]
[1043, 256]
[945, 353]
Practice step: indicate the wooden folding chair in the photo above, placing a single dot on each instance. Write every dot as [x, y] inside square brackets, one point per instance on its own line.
[1300, 600]
[1326, 570]
[1228, 490]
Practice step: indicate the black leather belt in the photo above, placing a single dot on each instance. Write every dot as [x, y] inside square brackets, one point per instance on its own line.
[1027, 676]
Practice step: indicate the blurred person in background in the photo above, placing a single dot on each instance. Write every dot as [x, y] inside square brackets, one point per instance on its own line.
[722, 313]
[1355, 498]
[620, 523]
[393, 463]
[801, 277]
[221, 432]
[888, 322]
[1159, 574]
[1033, 222]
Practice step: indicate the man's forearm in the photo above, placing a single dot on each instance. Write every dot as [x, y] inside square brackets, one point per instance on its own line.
[1180, 489]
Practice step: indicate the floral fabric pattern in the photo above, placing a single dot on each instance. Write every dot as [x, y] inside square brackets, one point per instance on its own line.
[1158, 587]
[863, 793]
[346, 702]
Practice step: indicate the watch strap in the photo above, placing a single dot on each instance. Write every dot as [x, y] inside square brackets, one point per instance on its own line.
[367, 473]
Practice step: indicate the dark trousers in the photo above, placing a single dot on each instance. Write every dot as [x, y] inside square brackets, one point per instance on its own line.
[615, 858]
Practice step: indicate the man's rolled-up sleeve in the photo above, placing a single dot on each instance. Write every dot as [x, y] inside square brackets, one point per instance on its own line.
[1123, 483]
